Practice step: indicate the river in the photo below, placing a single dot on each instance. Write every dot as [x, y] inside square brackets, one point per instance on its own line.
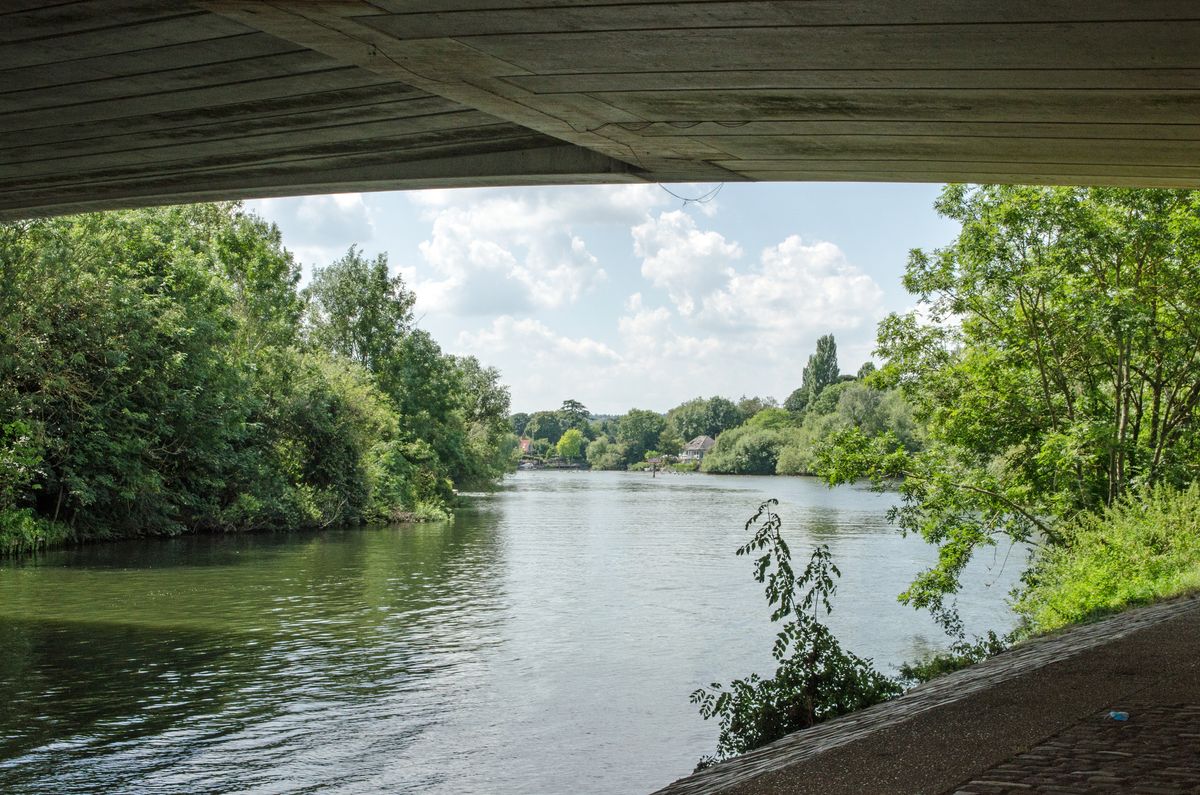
[546, 641]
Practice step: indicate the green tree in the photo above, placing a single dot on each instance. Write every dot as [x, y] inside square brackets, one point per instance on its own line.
[770, 418]
[749, 406]
[669, 442]
[797, 401]
[721, 414]
[745, 451]
[570, 446]
[518, 422]
[358, 311]
[545, 425]
[639, 431]
[603, 454]
[690, 419]
[483, 406]
[1056, 370]
[821, 370]
[842, 406]
[156, 378]
[574, 415]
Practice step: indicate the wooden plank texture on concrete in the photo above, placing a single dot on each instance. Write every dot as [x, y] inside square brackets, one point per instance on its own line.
[112, 102]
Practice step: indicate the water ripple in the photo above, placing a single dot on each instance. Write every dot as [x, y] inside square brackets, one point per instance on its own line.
[544, 642]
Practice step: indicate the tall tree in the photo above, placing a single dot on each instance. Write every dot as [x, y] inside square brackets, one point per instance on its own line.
[749, 406]
[574, 414]
[518, 422]
[689, 419]
[721, 414]
[821, 370]
[358, 311]
[570, 446]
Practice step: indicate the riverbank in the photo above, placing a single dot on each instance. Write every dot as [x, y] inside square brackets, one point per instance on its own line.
[29, 535]
[1035, 718]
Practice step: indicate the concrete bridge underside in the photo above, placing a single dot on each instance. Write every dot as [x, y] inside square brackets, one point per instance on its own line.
[113, 103]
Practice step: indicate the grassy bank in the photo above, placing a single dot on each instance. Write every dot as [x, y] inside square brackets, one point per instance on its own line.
[1143, 549]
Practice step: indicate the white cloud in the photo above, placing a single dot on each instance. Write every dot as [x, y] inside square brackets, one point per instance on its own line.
[681, 309]
[528, 336]
[724, 331]
[496, 251]
[685, 261]
[796, 290]
[540, 365]
[319, 228]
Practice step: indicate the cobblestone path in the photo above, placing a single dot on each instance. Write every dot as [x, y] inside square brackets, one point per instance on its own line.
[1155, 752]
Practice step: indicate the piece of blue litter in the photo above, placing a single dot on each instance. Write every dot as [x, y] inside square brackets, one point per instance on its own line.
[1118, 715]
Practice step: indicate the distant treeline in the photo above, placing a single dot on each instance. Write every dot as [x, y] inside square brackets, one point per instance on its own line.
[754, 435]
[161, 373]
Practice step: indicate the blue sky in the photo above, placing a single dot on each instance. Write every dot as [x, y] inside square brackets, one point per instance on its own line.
[620, 297]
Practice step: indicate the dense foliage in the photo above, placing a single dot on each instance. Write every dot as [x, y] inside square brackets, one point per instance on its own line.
[785, 440]
[1054, 369]
[754, 435]
[1144, 547]
[815, 679]
[161, 373]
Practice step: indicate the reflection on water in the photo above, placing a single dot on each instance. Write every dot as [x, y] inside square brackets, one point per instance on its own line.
[546, 641]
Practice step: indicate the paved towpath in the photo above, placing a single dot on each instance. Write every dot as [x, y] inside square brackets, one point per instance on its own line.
[1032, 720]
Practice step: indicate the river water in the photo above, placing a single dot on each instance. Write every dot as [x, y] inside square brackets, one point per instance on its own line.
[544, 642]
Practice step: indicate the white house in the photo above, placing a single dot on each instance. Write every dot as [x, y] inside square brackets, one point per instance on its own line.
[696, 448]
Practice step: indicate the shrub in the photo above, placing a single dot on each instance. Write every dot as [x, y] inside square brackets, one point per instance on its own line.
[816, 679]
[21, 531]
[745, 451]
[1143, 548]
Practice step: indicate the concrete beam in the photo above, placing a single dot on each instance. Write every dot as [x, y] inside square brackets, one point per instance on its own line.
[108, 103]
[551, 161]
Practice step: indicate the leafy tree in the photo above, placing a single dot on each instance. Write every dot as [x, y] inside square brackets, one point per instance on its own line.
[605, 427]
[816, 679]
[797, 401]
[639, 431]
[745, 451]
[570, 446]
[700, 417]
[1056, 370]
[545, 425]
[840, 407]
[721, 414]
[865, 371]
[603, 454]
[770, 418]
[821, 370]
[156, 378]
[830, 398]
[518, 422]
[574, 415]
[358, 311]
[484, 403]
[690, 419]
[669, 443]
[749, 406]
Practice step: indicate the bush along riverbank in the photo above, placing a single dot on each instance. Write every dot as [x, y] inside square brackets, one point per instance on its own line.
[162, 373]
